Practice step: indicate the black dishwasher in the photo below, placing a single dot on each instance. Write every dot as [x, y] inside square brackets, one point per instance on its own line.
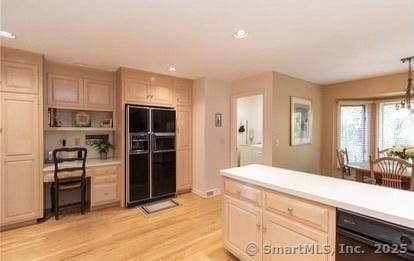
[362, 238]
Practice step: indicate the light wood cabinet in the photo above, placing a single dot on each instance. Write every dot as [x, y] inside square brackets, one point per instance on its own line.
[18, 77]
[183, 91]
[242, 227]
[137, 91]
[65, 91]
[162, 90]
[279, 231]
[20, 181]
[184, 152]
[184, 177]
[99, 94]
[105, 186]
[285, 221]
[158, 90]
[183, 126]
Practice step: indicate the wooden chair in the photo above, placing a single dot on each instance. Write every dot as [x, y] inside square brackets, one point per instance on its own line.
[391, 170]
[75, 177]
[383, 153]
[343, 159]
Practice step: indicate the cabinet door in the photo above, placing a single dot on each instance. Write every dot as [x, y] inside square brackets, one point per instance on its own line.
[242, 228]
[184, 178]
[183, 92]
[184, 127]
[136, 91]
[21, 78]
[162, 90]
[65, 91]
[20, 180]
[281, 232]
[99, 94]
[105, 185]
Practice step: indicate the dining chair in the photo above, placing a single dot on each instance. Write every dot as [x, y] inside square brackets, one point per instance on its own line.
[391, 171]
[383, 153]
[343, 160]
[72, 178]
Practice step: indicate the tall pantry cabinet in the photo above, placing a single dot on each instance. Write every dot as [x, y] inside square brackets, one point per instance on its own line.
[21, 137]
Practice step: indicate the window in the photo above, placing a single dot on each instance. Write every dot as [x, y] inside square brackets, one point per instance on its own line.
[353, 132]
[396, 127]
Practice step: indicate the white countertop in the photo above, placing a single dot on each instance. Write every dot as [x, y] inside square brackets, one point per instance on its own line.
[89, 163]
[392, 205]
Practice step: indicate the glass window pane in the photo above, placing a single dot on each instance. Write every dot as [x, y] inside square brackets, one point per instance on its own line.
[353, 132]
[397, 127]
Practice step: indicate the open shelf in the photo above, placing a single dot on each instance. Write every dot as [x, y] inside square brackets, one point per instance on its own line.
[78, 129]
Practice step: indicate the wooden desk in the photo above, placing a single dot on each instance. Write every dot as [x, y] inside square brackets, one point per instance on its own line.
[362, 169]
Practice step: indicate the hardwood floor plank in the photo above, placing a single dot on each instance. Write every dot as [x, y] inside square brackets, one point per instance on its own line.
[190, 232]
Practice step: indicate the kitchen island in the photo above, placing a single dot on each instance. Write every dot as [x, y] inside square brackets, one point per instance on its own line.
[272, 206]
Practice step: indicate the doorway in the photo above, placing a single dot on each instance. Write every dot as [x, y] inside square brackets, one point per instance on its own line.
[248, 130]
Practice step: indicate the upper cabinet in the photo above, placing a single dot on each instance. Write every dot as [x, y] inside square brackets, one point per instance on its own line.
[22, 78]
[183, 91]
[73, 87]
[136, 91]
[147, 88]
[64, 91]
[20, 71]
[99, 94]
[162, 90]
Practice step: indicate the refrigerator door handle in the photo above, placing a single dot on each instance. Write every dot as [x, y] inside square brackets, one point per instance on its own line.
[163, 151]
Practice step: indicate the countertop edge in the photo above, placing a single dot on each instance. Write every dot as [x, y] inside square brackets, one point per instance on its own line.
[331, 202]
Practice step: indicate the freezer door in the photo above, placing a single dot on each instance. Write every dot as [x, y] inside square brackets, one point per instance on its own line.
[138, 177]
[138, 119]
[163, 173]
[163, 121]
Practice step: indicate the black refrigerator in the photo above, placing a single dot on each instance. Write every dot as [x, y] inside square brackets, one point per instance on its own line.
[150, 154]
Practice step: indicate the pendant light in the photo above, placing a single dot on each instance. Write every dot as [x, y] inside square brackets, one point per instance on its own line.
[409, 91]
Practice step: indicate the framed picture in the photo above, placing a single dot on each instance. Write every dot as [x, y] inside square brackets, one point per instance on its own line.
[300, 121]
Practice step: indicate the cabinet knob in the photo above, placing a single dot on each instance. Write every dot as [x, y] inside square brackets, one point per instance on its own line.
[290, 209]
[258, 226]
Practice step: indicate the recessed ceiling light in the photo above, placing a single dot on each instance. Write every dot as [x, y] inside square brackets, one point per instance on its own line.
[240, 34]
[172, 69]
[7, 35]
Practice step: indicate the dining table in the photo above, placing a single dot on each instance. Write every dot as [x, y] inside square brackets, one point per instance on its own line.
[363, 169]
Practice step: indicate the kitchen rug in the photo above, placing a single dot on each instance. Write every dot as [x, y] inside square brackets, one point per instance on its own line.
[158, 206]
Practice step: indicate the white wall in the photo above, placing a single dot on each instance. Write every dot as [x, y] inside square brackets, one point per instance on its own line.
[53, 140]
[210, 144]
[250, 109]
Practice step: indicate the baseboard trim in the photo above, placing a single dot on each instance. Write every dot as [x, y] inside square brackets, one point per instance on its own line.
[207, 194]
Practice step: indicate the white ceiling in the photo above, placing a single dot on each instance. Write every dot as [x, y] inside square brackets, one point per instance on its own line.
[322, 41]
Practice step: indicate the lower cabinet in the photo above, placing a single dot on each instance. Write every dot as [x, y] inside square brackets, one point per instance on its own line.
[105, 187]
[184, 181]
[242, 228]
[281, 232]
[259, 224]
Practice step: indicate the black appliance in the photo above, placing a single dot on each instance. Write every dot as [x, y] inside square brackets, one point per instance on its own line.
[150, 154]
[362, 238]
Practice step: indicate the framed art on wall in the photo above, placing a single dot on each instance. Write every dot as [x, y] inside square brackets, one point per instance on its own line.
[300, 121]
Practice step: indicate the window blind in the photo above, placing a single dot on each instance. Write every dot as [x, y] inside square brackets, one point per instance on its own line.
[354, 131]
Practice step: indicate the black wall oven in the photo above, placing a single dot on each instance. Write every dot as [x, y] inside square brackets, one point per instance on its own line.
[151, 154]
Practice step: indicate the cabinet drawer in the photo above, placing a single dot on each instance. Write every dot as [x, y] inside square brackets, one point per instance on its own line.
[103, 179]
[309, 213]
[104, 193]
[243, 191]
[105, 170]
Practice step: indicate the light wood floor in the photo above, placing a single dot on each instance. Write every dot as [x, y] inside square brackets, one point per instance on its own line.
[189, 232]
